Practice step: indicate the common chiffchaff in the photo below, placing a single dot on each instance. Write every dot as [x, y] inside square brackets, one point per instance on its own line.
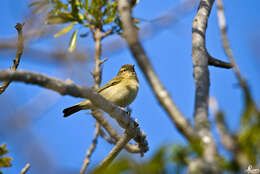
[121, 91]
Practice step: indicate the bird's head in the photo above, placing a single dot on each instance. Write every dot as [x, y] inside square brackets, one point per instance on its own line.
[127, 70]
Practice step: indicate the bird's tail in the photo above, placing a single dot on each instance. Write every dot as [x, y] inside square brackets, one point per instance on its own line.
[71, 110]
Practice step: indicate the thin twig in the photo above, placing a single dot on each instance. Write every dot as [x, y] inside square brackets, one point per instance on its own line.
[227, 49]
[226, 139]
[111, 131]
[105, 137]
[219, 63]
[25, 169]
[91, 149]
[201, 79]
[19, 52]
[97, 35]
[114, 152]
[229, 142]
[109, 32]
[162, 95]
[97, 80]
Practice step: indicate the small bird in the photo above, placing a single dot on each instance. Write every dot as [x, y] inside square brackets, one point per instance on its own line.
[121, 90]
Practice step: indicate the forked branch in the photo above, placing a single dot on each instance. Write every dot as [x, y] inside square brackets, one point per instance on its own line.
[19, 52]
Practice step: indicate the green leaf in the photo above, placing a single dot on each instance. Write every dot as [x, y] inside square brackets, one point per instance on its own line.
[109, 20]
[60, 18]
[157, 162]
[4, 161]
[119, 166]
[86, 5]
[96, 10]
[55, 20]
[73, 41]
[65, 30]
[3, 149]
[75, 4]
[60, 5]
[81, 16]
[135, 20]
[110, 12]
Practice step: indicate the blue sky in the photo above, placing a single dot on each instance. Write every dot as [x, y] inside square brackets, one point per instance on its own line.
[65, 141]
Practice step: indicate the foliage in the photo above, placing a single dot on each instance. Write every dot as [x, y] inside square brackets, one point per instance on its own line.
[91, 14]
[248, 137]
[4, 160]
[128, 165]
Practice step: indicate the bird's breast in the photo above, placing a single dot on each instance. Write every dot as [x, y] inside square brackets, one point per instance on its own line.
[122, 94]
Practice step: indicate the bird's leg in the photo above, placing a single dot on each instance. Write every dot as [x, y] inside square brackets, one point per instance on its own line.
[128, 110]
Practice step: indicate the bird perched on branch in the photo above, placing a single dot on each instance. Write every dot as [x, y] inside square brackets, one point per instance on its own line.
[121, 90]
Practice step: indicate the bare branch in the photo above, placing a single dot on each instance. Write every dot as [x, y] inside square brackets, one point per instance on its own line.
[109, 32]
[218, 63]
[101, 119]
[25, 169]
[105, 137]
[227, 49]
[97, 74]
[138, 52]
[19, 52]
[229, 142]
[97, 35]
[59, 86]
[91, 149]
[201, 79]
[115, 151]
[226, 139]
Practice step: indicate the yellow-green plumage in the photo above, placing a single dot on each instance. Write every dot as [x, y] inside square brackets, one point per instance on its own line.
[121, 91]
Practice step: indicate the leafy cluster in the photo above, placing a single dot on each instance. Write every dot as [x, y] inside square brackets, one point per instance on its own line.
[4, 160]
[92, 14]
[248, 137]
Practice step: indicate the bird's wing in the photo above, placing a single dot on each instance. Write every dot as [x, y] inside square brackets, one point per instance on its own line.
[112, 82]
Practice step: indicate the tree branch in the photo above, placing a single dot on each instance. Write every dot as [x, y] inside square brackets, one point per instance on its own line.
[109, 32]
[130, 34]
[105, 137]
[25, 169]
[101, 119]
[232, 144]
[218, 63]
[201, 79]
[69, 88]
[226, 139]
[115, 151]
[91, 149]
[97, 35]
[97, 75]
[19, 52]
[227, 49]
